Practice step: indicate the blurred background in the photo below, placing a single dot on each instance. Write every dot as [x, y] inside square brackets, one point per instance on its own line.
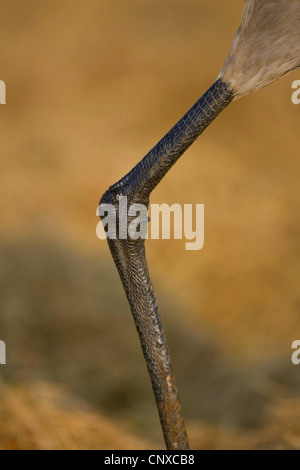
[91, 87]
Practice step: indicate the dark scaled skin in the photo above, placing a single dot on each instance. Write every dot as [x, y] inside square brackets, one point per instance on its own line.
[130, 259]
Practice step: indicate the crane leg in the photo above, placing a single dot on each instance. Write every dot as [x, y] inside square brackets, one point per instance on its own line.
[130, 259]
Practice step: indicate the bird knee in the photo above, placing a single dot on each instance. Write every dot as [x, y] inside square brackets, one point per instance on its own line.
[123, 215]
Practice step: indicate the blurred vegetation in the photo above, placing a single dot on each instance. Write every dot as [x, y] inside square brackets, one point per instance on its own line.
[90, 88]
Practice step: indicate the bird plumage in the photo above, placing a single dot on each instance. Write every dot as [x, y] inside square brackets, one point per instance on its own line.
[266, 46]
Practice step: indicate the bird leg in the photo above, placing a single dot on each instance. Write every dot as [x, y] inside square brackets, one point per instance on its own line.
[130, 259]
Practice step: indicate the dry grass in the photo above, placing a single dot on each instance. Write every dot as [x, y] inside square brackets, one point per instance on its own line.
[43, 416]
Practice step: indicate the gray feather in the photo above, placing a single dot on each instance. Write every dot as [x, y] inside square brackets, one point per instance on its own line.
[266, 46]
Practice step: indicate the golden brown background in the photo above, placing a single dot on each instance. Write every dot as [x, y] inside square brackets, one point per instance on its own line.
[91, 86]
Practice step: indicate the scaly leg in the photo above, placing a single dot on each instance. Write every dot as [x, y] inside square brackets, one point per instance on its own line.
[130, 259]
